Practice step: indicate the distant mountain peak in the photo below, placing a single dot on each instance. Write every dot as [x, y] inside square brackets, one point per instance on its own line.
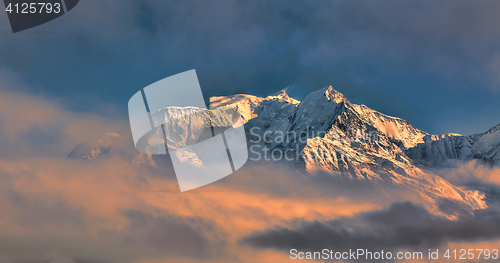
[335, 96]
[294, 91]
[92, 151]
[283, 95]
[446, 149]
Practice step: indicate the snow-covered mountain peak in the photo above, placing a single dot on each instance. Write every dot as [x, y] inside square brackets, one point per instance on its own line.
[294, 91]
[268, 110]
[326, 132]
[329, 133]
[316, 113]
[243, 103]
[283, 95]
[104, 148]
[494, 130]
[219, 101]
[437, 137]
[333, 95]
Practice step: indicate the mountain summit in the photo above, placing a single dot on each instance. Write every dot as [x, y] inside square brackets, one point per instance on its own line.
[327, 110]
[326, 132]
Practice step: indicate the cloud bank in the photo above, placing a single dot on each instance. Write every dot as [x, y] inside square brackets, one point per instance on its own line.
[61, 210]
[418, 61]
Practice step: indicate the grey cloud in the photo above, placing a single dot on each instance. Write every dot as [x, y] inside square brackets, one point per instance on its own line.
[403, 225]
[30, 211]
[59, 260]
[188, 237]
[89, 261]
[293, 182]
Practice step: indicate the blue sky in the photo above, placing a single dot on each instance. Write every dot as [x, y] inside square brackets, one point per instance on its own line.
[433, 63]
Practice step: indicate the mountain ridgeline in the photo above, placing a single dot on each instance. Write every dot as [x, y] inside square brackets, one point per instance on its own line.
[328, 133]
[325, 132]
[342, 136]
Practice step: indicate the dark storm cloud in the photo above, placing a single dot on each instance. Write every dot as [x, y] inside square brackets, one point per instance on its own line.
[435, 63]
[403, 225]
